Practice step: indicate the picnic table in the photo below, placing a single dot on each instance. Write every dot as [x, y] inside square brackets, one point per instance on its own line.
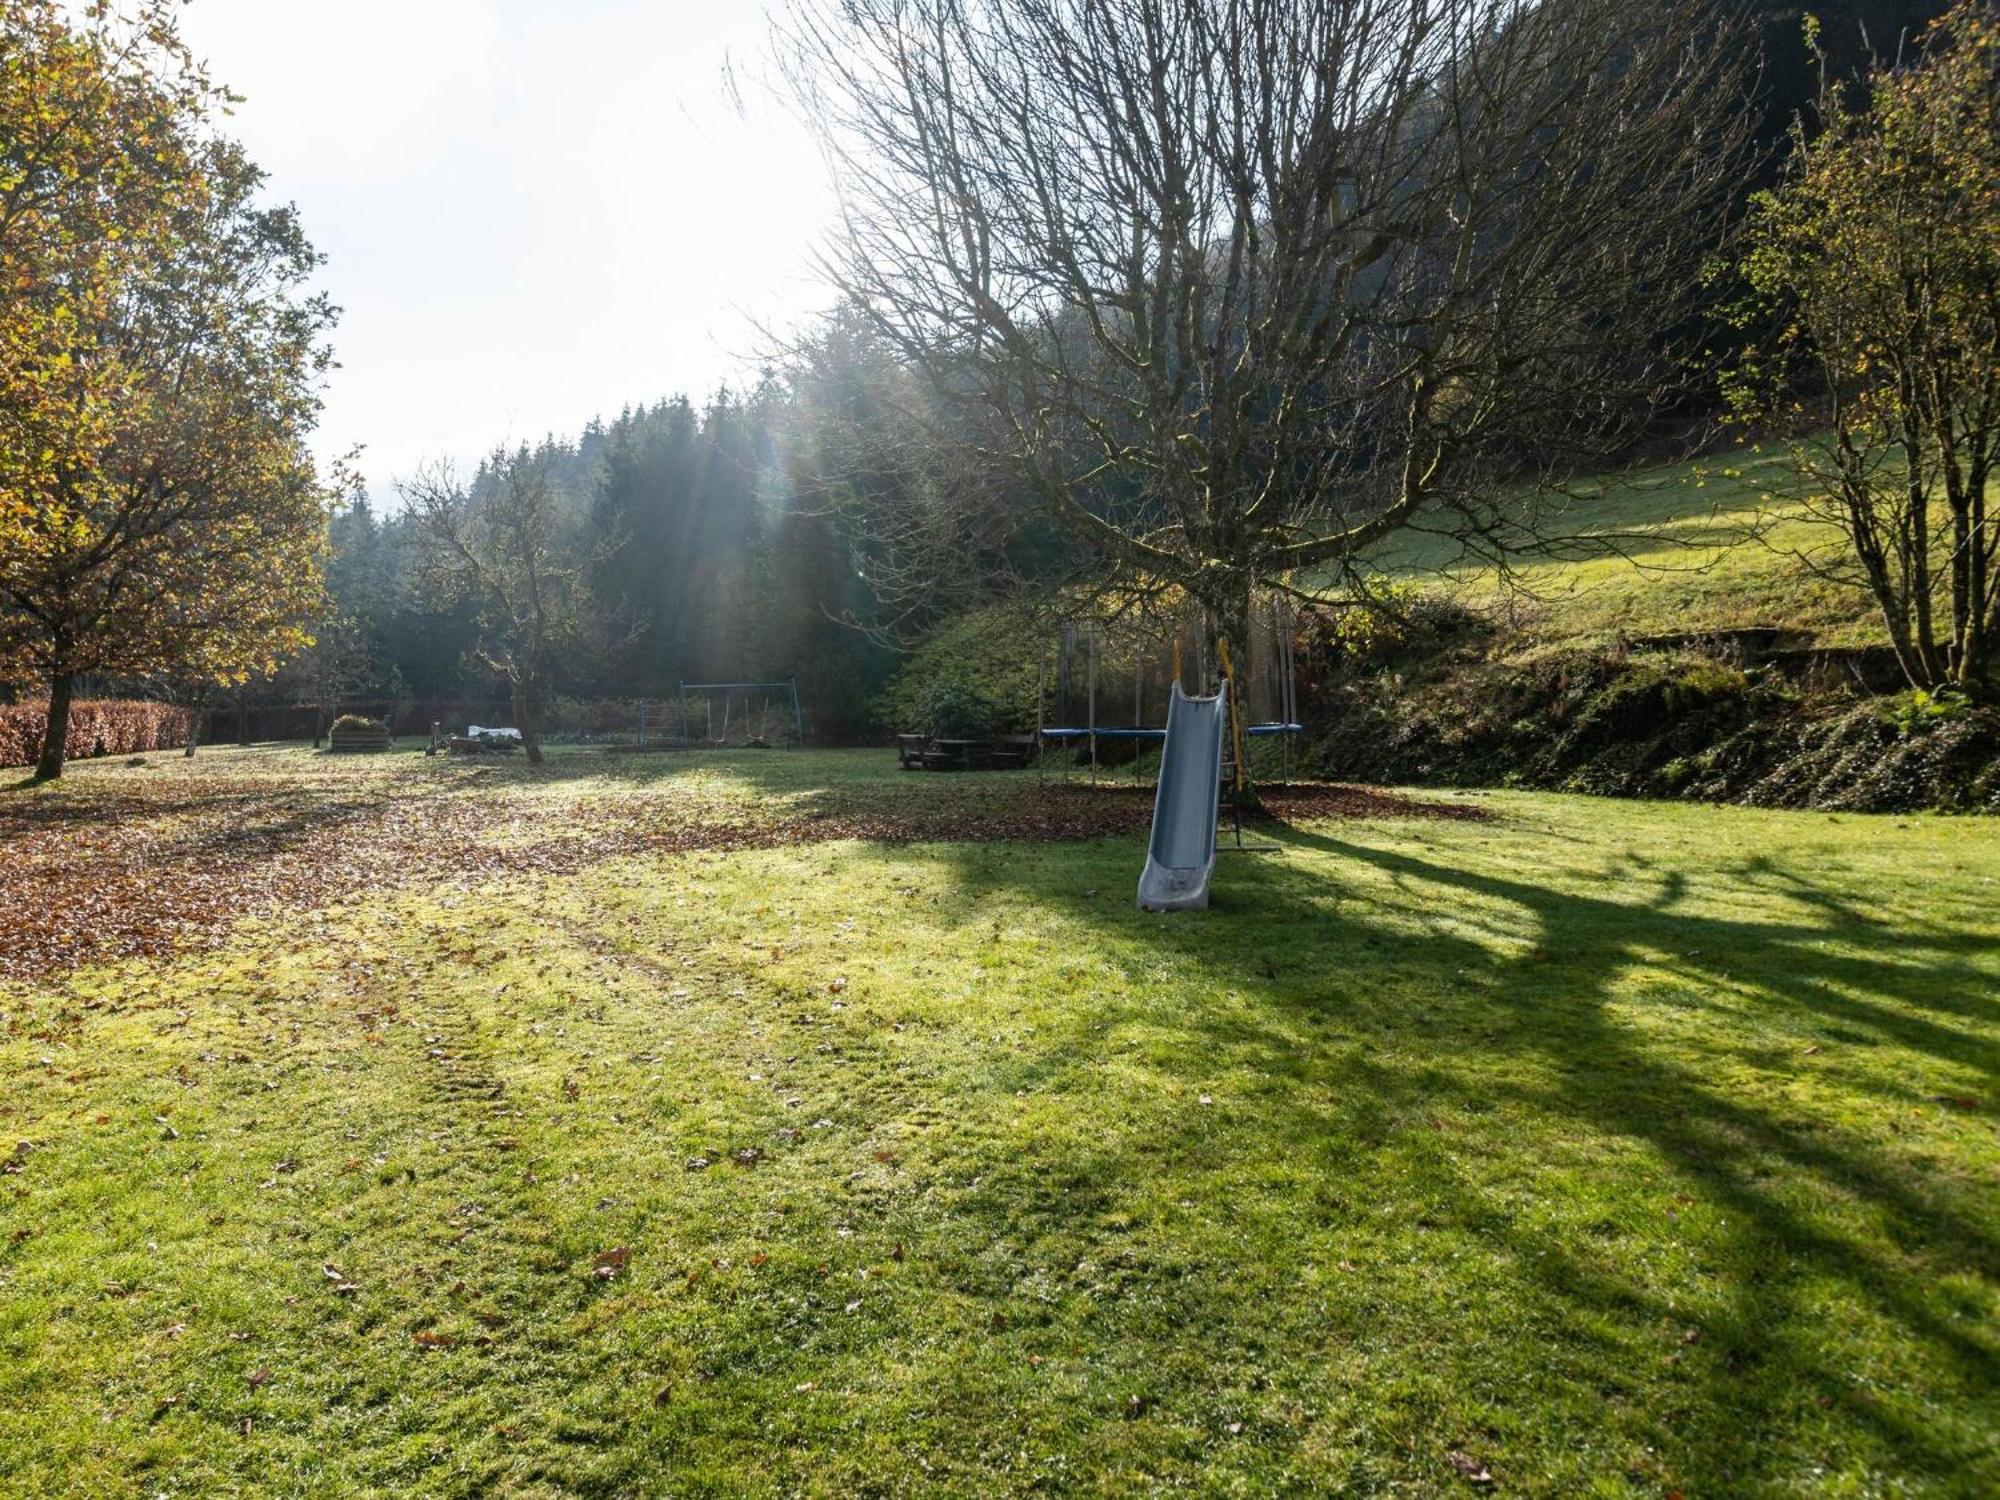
[1012, 752]
[925, 752]
[958, 755]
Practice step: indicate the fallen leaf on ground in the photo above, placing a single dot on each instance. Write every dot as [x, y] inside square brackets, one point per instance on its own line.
[124, 899]
[1471, 1468]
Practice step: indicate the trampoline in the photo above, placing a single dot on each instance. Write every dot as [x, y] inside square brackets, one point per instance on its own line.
[1124, 660]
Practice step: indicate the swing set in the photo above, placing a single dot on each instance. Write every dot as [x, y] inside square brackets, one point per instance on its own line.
[760, 714]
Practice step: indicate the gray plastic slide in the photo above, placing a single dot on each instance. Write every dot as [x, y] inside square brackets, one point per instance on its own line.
[1181, 857]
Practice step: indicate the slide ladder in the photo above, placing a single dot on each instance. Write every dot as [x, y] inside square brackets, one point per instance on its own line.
[1180, 859]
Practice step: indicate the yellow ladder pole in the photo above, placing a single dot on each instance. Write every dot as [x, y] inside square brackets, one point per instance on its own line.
[1235, 723]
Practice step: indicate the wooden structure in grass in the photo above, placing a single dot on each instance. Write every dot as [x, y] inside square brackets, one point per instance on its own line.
[927, 752]
[352, 733]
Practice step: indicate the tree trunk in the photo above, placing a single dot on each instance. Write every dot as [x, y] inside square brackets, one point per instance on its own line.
[55, 738]
[1227, 606]
[1979, 628]
[196, 720]
[527, 693]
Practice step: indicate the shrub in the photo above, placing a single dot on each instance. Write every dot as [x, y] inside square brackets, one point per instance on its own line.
[601, 716]
[101, 726]
[977, 673]
[1400, 622]
[1660, 725]
[1915, 711]
[952, 707]
[359, 722]
[1648, 697]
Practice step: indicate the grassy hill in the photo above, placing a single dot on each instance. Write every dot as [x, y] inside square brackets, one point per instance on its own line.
[1680, 547]
[1654, 560]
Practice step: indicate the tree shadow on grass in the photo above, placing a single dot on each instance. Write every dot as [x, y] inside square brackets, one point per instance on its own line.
[1813, 1213]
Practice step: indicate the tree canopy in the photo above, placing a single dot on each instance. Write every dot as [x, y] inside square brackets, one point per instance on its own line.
[1239, 288]
[1876, 266]
[165, 515]
[99, 127]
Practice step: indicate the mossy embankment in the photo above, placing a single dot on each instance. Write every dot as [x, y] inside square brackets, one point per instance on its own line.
[1685, 643]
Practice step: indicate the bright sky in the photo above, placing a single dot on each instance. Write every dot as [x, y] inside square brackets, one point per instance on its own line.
[534, 211]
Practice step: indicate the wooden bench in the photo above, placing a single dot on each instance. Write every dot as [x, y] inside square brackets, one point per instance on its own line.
[910, 750]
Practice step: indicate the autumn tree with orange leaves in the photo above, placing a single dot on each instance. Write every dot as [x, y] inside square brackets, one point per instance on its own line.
[160, 366]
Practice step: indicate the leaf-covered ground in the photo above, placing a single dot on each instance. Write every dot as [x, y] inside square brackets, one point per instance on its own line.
[1587, 1147]
[153, 854]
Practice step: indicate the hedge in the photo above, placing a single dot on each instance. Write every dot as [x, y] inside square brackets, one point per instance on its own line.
[102, 726]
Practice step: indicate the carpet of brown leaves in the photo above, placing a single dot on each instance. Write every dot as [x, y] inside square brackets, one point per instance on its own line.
[104, 868]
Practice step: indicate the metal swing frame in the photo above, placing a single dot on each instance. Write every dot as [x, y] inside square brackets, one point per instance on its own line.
[789, 686]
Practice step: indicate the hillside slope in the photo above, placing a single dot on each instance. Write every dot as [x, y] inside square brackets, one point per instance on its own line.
[1685, 547]
[1681, 645]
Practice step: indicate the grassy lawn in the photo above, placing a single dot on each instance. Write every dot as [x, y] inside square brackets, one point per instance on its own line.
[1591, 1147]
[1682, 547]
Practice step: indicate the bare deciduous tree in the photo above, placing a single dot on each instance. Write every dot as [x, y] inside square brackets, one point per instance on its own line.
[508, 543]
[1239, 287]
[1875, 266]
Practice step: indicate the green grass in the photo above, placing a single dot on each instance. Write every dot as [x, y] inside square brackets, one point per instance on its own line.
[1683, 547]
[1621, 1148]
